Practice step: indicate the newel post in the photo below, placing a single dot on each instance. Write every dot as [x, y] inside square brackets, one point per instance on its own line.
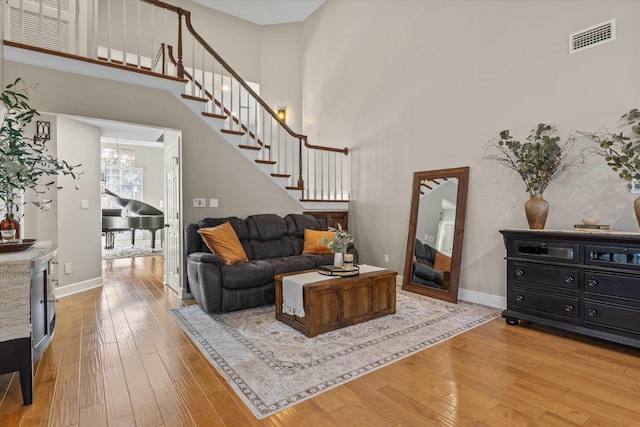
[180, 64]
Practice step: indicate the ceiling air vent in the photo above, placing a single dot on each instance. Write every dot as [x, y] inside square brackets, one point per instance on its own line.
[592, 36]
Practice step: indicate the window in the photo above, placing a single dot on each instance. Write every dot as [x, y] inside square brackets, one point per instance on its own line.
[123, 182]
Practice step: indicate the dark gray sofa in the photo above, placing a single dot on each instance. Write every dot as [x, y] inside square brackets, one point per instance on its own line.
[273, 245]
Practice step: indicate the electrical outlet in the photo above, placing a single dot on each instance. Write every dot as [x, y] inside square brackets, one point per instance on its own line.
[84, 204]
[386, 257]
[199, 203]
[213, 203]
[430, 239]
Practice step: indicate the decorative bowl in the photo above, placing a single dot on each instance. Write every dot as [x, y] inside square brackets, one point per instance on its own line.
[17, 246]
[590, 221]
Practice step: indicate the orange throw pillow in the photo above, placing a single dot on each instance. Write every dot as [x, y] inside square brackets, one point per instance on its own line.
[442, 262]
[224, 242]
[313, 241]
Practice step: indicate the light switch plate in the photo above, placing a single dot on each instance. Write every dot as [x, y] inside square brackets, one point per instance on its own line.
[199, 203]
[213, 203]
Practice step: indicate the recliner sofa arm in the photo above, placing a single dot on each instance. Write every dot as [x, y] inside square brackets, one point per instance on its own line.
[205, 280]
[206, 257]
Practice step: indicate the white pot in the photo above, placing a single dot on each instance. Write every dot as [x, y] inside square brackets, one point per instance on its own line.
[338, 260]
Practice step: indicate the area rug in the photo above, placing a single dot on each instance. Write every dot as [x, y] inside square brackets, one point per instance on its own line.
[130, 252]
[272, 366]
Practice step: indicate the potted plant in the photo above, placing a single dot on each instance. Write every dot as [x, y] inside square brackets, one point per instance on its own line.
[338, 245]
[621, 151]
[539, 161]
[24, 161]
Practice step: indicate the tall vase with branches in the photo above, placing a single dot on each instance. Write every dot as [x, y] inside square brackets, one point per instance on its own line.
[25, 163]
[539, 160]
[621, 150]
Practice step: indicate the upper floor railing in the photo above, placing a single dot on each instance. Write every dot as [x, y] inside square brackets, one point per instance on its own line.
[157, 37]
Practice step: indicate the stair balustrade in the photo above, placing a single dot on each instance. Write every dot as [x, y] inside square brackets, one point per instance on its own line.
[156, 37]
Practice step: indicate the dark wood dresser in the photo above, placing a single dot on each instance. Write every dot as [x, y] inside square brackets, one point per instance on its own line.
[579, 281]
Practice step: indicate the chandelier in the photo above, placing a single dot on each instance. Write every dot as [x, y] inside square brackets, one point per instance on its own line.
[118, 157]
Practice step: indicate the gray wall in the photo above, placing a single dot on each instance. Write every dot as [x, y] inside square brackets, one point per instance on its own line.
[79, 229]
[421, 85]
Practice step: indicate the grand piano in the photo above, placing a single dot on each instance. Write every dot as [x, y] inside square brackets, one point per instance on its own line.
[139, 216]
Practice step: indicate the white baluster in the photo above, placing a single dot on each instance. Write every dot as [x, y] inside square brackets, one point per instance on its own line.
[139, 31]
[124, 33]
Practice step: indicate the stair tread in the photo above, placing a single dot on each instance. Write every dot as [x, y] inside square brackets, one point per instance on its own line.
[249, 147]
[280, 175]
[294, 188]
[194, 98]
[215, 116]
[232, 132]
[266, 162]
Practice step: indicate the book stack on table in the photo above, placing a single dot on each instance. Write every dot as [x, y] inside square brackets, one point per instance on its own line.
[591, 227]
[332, 270]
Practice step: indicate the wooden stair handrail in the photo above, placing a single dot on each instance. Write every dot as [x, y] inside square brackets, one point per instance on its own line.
[231, 71]
[215, 101]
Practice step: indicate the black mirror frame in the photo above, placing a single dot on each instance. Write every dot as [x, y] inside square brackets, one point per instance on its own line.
[450, 294]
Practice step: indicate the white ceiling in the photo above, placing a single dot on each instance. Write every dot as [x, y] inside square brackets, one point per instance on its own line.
[265, 12]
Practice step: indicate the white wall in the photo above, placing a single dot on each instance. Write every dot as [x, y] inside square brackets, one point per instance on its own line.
[280, 65]
[79, 229]
[421, 85]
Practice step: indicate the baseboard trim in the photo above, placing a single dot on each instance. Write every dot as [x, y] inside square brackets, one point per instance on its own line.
[74, 288]
[476, 297]
[482, 298]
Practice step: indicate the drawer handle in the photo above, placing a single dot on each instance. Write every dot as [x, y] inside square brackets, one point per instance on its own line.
[569, 307]
[625, 250]
[592, 282]
[568, 279]
[592, 312]
[520, 298]
[519, 273]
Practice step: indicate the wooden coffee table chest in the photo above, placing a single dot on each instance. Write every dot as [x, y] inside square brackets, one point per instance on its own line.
[340, 301]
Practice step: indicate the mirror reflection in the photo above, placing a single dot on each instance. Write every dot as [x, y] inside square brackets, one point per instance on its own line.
[436, 227]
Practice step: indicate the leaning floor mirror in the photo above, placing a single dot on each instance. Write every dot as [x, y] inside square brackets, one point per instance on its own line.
[436, 228]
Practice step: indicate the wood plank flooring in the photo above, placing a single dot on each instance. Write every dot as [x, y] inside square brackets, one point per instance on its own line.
[119, 358]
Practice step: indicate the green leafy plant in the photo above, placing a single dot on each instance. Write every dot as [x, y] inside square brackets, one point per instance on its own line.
[539, 160]
[621, 150]
[340, 242]
[24, 161]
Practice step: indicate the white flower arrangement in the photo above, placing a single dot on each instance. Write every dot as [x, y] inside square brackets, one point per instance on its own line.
[340, 242]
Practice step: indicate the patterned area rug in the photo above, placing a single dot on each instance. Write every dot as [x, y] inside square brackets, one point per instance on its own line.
[130, 252]
[272, 366]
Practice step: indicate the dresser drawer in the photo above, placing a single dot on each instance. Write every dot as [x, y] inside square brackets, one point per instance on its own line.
[559, 305]
[609, 284]
[528, 275]
[613, 316]
[616, 256]
[544, 250]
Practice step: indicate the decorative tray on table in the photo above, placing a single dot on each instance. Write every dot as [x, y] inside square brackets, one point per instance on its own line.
[17, 246]
[332, 270]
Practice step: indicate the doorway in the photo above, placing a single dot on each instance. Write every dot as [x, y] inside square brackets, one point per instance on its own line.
[136, 201]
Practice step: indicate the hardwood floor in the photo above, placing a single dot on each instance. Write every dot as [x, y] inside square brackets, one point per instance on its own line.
[119, 358]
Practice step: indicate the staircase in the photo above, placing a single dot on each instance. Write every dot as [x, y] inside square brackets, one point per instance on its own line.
[165, 44]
